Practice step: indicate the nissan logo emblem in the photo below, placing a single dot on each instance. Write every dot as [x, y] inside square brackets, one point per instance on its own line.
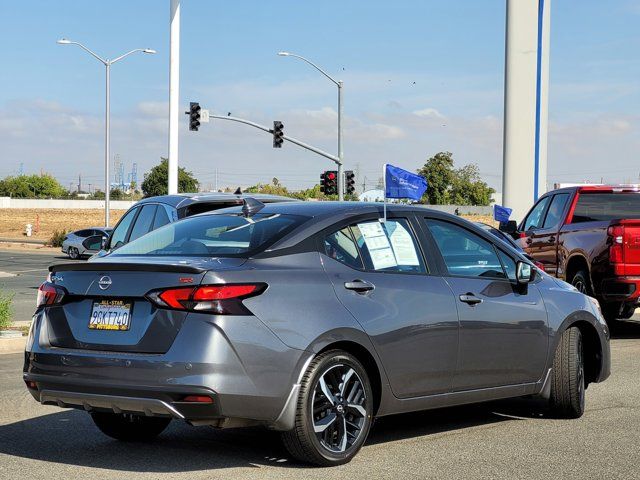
[104, 282]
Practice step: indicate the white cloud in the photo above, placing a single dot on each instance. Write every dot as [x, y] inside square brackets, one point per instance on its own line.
[428, 112]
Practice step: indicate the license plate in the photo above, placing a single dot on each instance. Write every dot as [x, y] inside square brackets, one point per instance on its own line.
[110, 315]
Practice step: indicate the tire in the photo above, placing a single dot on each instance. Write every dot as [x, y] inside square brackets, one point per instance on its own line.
[349, 399]
[129, 428]
[567, 378]
[582, 282]
[73, 253]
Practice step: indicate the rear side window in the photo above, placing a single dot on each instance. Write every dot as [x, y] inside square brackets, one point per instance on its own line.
[341, 247]
[465, 253]
[592, 207]
[556, 209]
[214, 235]
[161, 218]
[143, 222]
[83, 233]
[536, 216]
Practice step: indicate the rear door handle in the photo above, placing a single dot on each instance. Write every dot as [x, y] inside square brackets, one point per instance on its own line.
[470, 299]
[529, 241]
[359, 286]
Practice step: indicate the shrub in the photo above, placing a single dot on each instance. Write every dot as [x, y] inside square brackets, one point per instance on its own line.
[57, 238]
[5, 311]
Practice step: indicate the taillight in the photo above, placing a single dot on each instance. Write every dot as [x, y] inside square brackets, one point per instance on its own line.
[49, 294]
[540, 265]
[219, 299]
[616, 243]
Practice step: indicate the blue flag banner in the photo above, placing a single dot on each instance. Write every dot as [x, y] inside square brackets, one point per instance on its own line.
[500, 213]
[400, 183]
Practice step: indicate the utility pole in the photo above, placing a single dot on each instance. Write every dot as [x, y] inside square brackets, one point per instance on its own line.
[174, 94]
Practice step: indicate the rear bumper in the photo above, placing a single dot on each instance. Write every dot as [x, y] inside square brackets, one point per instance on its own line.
[237, 362]
[621, 289]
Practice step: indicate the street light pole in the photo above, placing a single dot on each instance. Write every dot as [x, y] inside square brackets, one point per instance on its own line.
[340, 85]
[107, 113]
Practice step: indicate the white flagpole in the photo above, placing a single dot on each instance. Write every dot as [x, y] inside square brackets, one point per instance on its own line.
[384, 183]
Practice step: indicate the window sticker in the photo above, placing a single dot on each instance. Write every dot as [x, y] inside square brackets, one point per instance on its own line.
[378, 244]
[403, 246]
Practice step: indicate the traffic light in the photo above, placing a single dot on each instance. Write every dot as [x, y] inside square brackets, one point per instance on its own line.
[329, 182]
[278, 134]
[194, 116]
[350, 182]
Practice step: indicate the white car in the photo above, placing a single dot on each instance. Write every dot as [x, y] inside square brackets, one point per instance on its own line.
[76, 244]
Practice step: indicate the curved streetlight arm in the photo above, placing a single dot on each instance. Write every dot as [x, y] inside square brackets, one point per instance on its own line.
[90, 52]
[316, 67]
[129, 53]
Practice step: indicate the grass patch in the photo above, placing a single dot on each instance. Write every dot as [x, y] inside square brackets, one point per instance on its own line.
[5, 310]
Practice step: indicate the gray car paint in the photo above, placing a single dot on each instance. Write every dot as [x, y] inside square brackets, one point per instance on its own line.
[254, 363]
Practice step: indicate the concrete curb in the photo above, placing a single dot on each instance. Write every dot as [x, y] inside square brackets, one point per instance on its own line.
[12, 345]
[23, 240]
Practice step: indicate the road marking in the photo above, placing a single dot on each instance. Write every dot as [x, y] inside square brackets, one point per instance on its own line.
[6, 274]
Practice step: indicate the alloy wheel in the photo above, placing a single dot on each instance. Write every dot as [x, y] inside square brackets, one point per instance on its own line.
[339, 408]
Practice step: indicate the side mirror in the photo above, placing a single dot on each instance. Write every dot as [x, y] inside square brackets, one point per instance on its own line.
[510, 227]
[524, 273]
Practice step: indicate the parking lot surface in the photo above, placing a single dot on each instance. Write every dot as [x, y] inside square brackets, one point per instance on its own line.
[509, 440]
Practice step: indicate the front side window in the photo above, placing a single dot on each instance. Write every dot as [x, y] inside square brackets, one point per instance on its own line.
[465, 253]
[143, 222]
[161, 218]
[214, 235]
[536, 216]
[556, 209]
[120, 233]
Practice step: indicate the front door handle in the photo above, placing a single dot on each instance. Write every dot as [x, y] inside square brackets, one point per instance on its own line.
[470, 299]
[529, 241]
[359, 286]
[552, 239]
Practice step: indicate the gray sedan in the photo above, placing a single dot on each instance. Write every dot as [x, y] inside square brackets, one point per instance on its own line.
[83, 242]
[311, 318]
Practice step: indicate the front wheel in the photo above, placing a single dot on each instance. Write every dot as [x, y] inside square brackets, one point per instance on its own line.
[129, 428]
[73, 253]
[567, 377]
[582, 283]
[334, 411]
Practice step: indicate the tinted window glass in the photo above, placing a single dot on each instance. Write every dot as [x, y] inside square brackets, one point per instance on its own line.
[509, 265]
[83, 233]
[556, 208]
[388, 246]
[143, 222]
[214, 235]
[341, 247]
[464, 252]
[161, 218]
[120, 233]
[535, 218]
[606, 206]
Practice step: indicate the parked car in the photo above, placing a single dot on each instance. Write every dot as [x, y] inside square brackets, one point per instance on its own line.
[510, 241]
[590, 237]
[154, 212]
[77, 245]
[311, 318]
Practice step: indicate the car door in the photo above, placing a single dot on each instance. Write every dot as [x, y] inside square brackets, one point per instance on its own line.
[541, 240]
[380, 275]
[503, 325]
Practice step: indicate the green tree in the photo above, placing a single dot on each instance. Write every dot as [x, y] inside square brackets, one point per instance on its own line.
[156, 181]
[468, 187]
[31, 186]
[439, 173]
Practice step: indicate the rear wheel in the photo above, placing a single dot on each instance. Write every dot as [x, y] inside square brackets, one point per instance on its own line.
[129, 428]
[334, 411]
[567, 379]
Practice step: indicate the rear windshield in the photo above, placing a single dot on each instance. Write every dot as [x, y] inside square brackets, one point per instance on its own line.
[213, 235]
[593, 207]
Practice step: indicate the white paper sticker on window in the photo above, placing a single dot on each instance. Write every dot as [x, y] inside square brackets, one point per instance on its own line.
[378, 245]
[403, 247]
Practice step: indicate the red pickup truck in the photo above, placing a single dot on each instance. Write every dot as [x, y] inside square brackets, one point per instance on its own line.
[589, 236]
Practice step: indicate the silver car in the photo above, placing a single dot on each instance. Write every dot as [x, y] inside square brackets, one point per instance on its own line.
[311, 318]
[85, 242]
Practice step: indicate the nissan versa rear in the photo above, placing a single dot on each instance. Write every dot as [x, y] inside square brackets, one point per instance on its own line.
[311, 318]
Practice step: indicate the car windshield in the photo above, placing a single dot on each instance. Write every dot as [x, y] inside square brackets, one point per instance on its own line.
[213, 235]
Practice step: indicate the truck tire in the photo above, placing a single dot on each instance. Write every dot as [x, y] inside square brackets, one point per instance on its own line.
[129, 428]
[567, 377]
[582, 282]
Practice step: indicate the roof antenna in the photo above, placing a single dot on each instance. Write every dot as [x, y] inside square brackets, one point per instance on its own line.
[238, 191]
[251, 206]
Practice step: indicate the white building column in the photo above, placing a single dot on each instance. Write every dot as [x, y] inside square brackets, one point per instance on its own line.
[174, 94]
[526, 100]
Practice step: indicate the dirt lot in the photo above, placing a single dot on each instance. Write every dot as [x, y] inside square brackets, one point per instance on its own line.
[13, 221]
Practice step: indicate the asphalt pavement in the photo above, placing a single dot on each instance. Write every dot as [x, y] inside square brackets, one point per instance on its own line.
[501, 440]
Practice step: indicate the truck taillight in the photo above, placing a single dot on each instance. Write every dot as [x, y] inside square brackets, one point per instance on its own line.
[223, 299]
[616, 245]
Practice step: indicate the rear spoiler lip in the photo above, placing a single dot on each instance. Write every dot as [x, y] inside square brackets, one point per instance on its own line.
[123, 267]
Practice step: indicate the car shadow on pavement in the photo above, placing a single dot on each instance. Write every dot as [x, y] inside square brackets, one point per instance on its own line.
[625, 329]
[70, 437]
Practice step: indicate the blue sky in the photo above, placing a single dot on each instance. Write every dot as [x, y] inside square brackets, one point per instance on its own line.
[52, 97]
